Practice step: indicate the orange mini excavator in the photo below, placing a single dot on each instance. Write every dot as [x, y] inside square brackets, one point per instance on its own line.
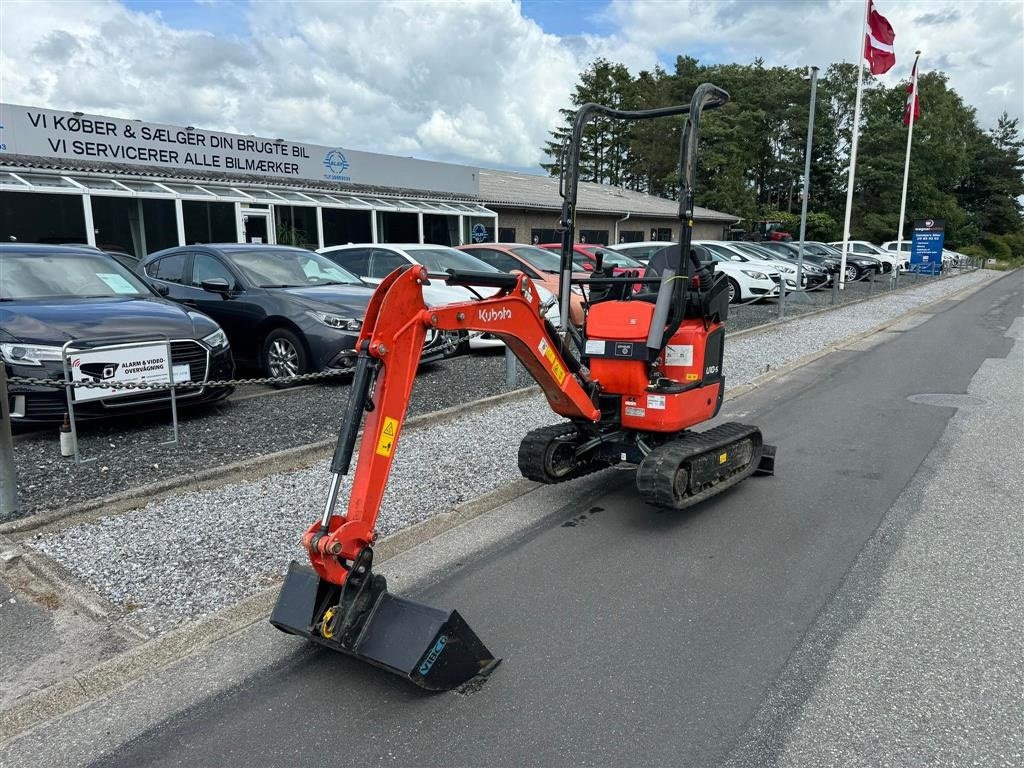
[645, 367]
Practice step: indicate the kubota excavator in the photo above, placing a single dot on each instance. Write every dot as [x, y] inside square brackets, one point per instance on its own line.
[645, 368]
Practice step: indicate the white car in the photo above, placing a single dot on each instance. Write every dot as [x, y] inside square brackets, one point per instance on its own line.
[746, 281]
[372, 262]
[885, 255]
[731, 253]
[641, 251]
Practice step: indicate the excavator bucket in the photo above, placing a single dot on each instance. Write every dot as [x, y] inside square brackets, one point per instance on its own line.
[432, 648]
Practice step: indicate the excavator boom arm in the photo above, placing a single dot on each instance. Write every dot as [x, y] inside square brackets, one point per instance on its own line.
[390, 346]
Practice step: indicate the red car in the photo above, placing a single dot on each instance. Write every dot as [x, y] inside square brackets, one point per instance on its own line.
[619, 262]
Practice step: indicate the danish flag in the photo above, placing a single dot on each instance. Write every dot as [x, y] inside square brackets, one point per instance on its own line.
[878, 42]
[912, 112]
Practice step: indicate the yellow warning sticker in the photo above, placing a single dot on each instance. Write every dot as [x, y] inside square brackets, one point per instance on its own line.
[558, 371]
[723, 457]
[692, 377]
[386, 441]
[549, 353]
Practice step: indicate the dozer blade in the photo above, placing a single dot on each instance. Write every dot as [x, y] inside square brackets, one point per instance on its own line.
[432, 648]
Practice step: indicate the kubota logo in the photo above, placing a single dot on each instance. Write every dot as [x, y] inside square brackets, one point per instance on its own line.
[428, 662]
[490, 314]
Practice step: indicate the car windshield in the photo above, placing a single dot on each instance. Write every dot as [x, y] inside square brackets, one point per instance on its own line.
[725, 253]
[763, 253]
[544, 260]
[290, 268]
[641, 252]
[65, 275]
[616, 259]
[443, 259]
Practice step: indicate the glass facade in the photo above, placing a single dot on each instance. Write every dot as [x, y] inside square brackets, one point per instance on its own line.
[140, 216]
[209, 222]
[41, 218]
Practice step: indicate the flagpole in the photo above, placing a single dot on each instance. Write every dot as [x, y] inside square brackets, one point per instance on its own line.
[853, 144]
[906, 167]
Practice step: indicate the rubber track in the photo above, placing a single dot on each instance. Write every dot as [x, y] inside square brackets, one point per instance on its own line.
[656, 473]
[534, 445]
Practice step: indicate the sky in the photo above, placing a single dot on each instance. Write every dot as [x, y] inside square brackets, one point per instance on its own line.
[470, 81]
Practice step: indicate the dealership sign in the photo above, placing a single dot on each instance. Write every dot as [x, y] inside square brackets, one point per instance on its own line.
[75, 136]
[927, 241]
[147, 363]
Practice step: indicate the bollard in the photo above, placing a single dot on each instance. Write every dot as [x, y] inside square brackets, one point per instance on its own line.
[510, 369]
[8, 479]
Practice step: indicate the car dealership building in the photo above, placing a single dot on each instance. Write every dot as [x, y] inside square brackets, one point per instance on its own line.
[137, 187]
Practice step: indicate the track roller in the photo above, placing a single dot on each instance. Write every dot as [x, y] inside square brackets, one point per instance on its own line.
[549, 455]
[698, 465]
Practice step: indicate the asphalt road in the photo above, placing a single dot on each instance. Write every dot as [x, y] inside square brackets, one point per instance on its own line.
[629, 636]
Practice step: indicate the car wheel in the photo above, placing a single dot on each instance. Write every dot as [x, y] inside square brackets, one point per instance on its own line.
[283, 354]
[734, 291]
[852, 273]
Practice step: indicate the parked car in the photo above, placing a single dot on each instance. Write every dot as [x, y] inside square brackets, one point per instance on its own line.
[733, 253]
[857, 266]
[538, 264]
[286, 311]
[746, 281]
[812, 274]
[641, 251]
[373, 262]
[619, 262]
[51, 294]
[889, 259]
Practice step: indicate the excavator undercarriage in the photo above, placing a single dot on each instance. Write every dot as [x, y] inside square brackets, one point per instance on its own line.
[629, 385]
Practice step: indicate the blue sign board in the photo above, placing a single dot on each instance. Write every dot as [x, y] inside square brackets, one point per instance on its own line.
[926, 245]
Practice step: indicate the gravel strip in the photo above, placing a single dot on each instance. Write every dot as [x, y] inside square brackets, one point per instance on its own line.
[129, 453]
[200, 551]
[756, 313]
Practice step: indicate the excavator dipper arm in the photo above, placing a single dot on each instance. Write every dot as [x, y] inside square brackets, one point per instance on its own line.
[389, 347]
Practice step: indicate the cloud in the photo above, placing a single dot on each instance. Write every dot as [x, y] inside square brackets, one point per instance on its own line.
[470, 81]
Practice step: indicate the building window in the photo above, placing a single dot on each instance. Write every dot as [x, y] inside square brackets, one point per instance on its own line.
[342, 226]
[631, 235]
[397, 227]
[506, 234]
[542, 236]
[161, 225]
[661, 233]
[477, 229]
[440, 229]
[594, 236]
[29, 217]
[209, 222]
[134, 226]
[296, 225]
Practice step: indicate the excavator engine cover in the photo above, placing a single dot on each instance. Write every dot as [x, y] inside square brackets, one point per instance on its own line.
[432, 648]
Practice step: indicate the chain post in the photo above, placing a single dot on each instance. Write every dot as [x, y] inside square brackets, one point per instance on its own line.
[8, 478]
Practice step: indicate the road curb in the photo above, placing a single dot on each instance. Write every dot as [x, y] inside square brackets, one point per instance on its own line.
[77, 690]
[247, 469]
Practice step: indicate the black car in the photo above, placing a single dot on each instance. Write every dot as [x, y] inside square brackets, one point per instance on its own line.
[857, 265]
[50, 295]
[285, 310]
